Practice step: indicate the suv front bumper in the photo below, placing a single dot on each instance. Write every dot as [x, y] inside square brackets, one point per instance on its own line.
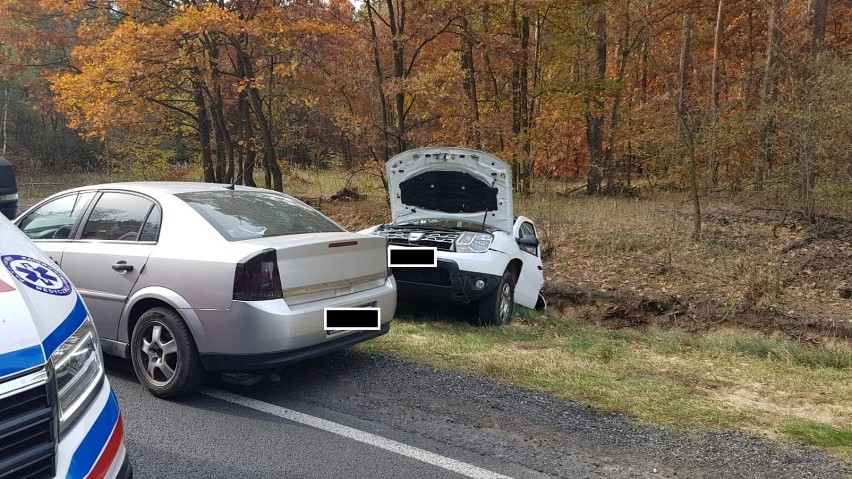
[446, 282]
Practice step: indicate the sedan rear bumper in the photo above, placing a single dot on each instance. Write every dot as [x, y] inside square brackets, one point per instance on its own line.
[274, 328]
[244, 362]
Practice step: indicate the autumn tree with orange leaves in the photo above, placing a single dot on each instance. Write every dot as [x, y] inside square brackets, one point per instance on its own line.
[601, 91]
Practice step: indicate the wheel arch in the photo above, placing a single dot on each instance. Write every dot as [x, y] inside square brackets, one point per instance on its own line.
[515, 266]
[148, 298]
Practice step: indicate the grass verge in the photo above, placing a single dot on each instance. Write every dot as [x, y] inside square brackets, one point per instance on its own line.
[726, 379]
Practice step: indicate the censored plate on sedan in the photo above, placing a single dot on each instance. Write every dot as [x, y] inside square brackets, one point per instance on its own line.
[336, 320]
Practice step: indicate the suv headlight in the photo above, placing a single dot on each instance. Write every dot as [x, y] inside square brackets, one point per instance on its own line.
[79, 370]
[473, 242]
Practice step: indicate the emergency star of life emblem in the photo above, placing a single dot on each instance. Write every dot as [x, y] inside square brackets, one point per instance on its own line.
[37, 274]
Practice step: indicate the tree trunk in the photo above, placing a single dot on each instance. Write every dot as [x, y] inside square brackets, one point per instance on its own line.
[520, 98]
[397, 26]
[714, 95]
[247, 170]
[622, 54]
[769, 95]
[224, 144]
[274, 170]
[226, 164]
[523, 103]
[806, 154]
[643, 81]
[609, 151]
[532, 106]
[274, 177]
[203, 132]
[684, 127]
[493, 83]
[219, 150]
[820, 15]
[386, 155]
[594, 122]
[470, 83]
[683, 71]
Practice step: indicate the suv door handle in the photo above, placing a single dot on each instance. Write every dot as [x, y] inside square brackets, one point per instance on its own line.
[122, 266]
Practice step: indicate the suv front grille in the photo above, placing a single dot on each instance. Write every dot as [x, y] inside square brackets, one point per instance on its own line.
[442, 240]
[434, 276]
[27, 428]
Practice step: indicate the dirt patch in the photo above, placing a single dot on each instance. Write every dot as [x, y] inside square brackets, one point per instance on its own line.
[757, 270]
[757, 397]
[347, 194]
[624, 309]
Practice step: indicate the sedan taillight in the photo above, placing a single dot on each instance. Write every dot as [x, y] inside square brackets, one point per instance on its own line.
[258, 279]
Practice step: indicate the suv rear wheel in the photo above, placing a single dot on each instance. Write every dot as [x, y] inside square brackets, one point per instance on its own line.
[496, 308]
[164, 355]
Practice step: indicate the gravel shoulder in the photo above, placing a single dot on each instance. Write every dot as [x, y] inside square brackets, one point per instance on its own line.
[556, 437]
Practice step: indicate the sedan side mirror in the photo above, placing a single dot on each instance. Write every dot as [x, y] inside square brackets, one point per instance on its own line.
[531, 241]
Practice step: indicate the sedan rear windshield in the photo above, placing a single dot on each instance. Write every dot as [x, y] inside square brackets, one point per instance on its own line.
[240, 215]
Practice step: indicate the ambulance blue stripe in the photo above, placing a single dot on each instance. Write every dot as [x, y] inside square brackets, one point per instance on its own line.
[96, 439]
[20, 360]
[66, 328]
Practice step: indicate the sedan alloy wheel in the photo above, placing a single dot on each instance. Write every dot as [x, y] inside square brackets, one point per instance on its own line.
[164, 355]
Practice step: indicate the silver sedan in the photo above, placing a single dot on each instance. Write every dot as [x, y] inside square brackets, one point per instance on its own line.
[185, 278]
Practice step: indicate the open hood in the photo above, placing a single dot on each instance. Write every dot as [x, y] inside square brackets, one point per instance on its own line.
[450, 184]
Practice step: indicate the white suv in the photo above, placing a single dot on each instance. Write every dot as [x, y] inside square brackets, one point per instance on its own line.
[459, 201]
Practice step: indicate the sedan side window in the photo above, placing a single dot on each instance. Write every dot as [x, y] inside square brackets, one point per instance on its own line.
[117, 216]
[528, 231]
[151, 230]
[54, 220]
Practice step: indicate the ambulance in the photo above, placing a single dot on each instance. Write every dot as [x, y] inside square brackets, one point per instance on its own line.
[58, 414]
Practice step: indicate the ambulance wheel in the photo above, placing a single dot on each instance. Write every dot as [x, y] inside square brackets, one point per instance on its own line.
[164, 355]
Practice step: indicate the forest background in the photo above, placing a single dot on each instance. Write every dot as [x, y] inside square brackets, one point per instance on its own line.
[699, 95]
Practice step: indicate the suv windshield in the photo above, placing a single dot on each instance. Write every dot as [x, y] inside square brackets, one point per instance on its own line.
[240, 215]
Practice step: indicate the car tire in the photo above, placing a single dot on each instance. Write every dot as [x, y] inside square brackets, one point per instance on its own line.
[496, 308]
[164, 355]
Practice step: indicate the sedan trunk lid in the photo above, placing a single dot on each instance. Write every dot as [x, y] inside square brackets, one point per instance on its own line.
[320, 266]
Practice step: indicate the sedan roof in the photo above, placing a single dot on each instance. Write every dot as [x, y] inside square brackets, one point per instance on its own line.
[170, 187]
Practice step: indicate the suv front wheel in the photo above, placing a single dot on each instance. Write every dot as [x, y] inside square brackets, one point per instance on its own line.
[496, 308]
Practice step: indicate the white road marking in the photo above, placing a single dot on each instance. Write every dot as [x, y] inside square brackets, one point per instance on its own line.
[422, 455]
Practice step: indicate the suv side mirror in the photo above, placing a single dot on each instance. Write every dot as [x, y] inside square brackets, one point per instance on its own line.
[531, 241]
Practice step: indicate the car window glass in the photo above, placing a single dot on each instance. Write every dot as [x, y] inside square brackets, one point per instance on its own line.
[239, 215]
[116, 216]
[151, 229]
[528, 231]
[55, 219]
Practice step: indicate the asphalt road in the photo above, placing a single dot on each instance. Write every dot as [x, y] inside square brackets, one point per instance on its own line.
[353, 414]
[202, 436]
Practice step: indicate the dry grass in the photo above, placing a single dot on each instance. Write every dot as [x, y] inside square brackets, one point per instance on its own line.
[757, 269]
